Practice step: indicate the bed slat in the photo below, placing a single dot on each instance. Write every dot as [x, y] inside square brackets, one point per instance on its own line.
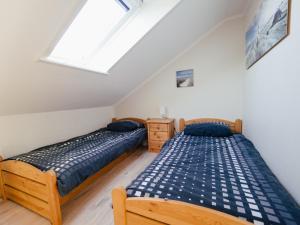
[25, 185]
[28, 201]
[24, 170]
[134, 219]
[174, 212]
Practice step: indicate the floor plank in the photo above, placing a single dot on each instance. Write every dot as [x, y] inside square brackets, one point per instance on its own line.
[92, 207]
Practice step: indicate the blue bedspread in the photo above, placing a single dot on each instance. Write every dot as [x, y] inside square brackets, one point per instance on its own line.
[225, 174]
[77, 159]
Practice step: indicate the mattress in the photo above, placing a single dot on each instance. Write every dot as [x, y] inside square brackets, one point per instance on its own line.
[225, 174]
[79, 158]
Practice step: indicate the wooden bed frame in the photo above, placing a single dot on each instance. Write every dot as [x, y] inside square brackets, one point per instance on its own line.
[153, 211]
[37, 190]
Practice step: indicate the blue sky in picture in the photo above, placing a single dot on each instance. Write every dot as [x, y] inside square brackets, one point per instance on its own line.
[184, 73]
[250, 35]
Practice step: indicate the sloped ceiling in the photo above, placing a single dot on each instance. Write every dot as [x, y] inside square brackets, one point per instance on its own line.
[29, 27]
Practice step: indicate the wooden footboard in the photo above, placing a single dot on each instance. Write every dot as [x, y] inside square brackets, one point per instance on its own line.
[37, 190]
[153, 211]
[31, 188]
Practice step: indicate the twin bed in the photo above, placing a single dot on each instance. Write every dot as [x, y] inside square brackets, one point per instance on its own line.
[44, 179]
[206, 180]
[194, 180]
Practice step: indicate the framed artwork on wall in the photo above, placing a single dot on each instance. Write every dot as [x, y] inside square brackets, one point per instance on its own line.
[270, 26]
[185, 78]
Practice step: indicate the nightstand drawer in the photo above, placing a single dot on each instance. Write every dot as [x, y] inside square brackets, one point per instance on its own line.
[158, 127]
[156, 145]
[159, 131]
[153, 149]
[158, 136]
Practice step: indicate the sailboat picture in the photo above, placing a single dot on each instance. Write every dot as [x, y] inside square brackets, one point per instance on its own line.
[269, 27]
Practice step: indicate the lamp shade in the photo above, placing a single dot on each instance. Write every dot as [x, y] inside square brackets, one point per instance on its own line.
[163, 111]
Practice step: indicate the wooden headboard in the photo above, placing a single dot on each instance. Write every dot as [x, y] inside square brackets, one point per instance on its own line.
[235, 126]
[131, 118]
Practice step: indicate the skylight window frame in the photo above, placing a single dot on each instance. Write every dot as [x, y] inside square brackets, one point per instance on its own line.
[132, 5]
[124, 5]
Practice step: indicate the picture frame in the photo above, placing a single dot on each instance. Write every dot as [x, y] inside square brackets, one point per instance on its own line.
[270, 26]
[185, 78]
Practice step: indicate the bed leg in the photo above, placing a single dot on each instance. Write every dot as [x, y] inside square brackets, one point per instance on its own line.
[2, 192]
[239, 126]
[55, 209]
[181, 124]
[119, 200]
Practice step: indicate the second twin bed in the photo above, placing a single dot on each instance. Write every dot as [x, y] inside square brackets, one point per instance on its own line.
[206, 179]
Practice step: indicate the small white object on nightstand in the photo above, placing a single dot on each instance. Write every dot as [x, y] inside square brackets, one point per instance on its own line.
[163, 112]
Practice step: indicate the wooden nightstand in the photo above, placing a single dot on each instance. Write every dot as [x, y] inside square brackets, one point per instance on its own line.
[159, 131]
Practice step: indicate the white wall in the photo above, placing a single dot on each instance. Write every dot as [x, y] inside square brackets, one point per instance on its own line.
[217, 60]
[272, 106]
[29, 28]
[22, 133]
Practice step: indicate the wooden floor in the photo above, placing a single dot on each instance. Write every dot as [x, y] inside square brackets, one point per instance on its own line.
[93, 207]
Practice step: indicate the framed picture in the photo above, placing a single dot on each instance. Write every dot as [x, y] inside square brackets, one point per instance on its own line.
[185, 78]
[268, 28]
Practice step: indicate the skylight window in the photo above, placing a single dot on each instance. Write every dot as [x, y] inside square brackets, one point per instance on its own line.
[84, 35]
[104, 30]
[92, 27]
